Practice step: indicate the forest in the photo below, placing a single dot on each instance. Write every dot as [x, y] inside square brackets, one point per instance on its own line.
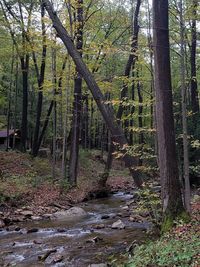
[99, 133]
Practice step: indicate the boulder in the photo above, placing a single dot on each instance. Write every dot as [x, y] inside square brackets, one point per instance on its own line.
[69, 214]
[118, 225]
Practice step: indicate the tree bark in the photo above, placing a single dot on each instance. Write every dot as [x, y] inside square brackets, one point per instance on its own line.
[35, 147]
[9, 100]
[107, 112]
[24, 67]
[77, 106]
[193, 85]
[184, 112]
[170, 184]
[124, 91]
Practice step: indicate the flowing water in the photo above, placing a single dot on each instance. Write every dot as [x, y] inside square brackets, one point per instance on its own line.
[77, 240]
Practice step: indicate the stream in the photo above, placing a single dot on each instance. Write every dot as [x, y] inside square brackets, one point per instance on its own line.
[77, 242]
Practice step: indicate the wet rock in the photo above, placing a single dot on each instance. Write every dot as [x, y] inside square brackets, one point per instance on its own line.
[37, 242]
[57, 258]
[26, 213]
[47, 216]
[99, 226]
[46, 255]
[125, 208]
[104, 217]
[32, 230]
[18, 218]
[35, 218]
[118, 225]
[13, 228]
[94, 239]
[61, 230]
[71, 213]
[2, 224]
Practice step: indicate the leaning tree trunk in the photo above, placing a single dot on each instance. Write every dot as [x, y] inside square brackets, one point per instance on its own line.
[77, 106]
[170, 185]
[107, 112]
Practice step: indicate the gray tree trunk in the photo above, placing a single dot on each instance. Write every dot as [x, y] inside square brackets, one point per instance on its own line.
[107, 112]
[170, 184]
[184, 112]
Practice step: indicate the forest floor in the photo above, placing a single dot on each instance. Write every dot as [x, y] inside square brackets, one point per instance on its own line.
[179, 247]
[28, 191]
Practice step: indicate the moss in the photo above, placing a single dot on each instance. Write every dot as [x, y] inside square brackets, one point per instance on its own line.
[167, 224]
[184, 216]
[169, 220]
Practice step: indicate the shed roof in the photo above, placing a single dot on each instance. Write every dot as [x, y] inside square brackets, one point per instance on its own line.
[3, 133]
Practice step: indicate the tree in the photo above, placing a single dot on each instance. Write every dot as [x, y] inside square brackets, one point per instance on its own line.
[170, 184]
[77, 106]
[124, 91]
[184, 111]
[106, 111]
[193, 86]
[40, 79]
[23, 22]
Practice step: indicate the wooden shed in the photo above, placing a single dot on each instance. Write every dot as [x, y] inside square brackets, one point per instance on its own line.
[14, 138]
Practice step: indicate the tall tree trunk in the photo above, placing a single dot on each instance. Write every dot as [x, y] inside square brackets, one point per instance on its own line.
[193, 85]
[54, 81]
[91, 124]
[184, 111]
[16, 97]
[140, 120]
[129, 65]
[77, 106]
[66, 122]
[132, 108]
[85, 123]
[170, 184]
[107, 112]
[24, 67]
[46, 122]
[40, 77]
[131, 60]
[9, 100]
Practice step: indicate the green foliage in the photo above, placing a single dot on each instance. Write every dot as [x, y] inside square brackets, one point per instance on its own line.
[167, 252]
[167, 224]
[149, 202]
